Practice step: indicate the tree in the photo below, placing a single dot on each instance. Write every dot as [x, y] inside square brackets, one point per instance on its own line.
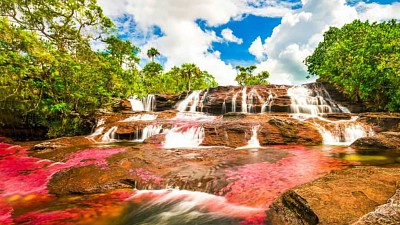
[63, 23]
[50, 75]
[189, 72]
[152, 52]
[245, 76]
[362, 60]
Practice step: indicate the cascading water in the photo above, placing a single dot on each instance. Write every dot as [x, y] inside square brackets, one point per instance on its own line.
[149, 103]
[244, 100]
[267, 103]
[110, 134]
[190, 101]
[342, 132]
[234, 101]
[144, 117]
[149, 131]
[136, 104]
[180, 137]
[253, 142]
[146, 104]
[314, 103]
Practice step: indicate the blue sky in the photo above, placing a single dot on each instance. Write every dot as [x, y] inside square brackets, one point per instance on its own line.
[217, 35]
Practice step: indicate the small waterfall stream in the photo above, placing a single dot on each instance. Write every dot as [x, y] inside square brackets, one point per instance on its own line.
[109, 136]
[181, 137]
[253, 142]
[147, 103]
[314, 103]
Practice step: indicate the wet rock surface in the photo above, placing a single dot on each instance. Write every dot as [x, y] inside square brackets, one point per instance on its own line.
[387, 141]
[90, 180]
[340, 197]
[387, 214]
[382, 122]
[148, 168]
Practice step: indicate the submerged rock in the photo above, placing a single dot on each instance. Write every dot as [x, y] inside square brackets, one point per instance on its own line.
[341, 197]
[89, 180]
[381, 141]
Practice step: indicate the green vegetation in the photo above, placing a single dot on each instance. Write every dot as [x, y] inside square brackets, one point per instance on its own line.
[52, 78]
[362, 60]
[245, 76]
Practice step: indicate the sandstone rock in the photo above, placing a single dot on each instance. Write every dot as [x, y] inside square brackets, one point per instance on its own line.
[341, 197]
[387, 214]
[381, 141]
[382, 122]
[89, 180]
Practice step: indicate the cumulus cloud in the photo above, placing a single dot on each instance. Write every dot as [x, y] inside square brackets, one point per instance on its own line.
[257, 49]
[182, 39]
[228, 36]
[376, 12]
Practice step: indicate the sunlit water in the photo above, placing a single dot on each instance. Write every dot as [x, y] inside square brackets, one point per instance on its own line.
[251, 188]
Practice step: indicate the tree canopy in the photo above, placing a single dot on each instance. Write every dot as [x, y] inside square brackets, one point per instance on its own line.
[51, 77]
[361, 59]
[245, 76]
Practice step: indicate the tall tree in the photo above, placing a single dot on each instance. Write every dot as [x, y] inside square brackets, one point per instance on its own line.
[190, 71]
[362, 60]
[152, 52]
[245, 76]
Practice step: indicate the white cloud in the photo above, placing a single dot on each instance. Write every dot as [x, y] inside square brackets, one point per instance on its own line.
[257, 49]
[376, 12]
[227, 35]
[183, 40]
[301, 31]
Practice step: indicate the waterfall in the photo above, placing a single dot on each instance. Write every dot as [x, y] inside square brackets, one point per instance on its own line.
[203, 101]
[109, 135]
[136, 104]
[313, 102]
[146, 104]
[244, 100]
[192, 100]
[342, 132]
[145, 117]
[234, 101]
[253, 142]
[96, 133]
[149, 103]
[267, 103]
[149, 131]
[179, 137]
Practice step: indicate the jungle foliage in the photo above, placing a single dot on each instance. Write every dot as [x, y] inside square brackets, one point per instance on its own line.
[362, 60]
[245, 76]
[51, 77]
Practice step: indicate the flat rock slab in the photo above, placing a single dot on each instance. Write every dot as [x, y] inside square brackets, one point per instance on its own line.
[341, 197]
[381, 141]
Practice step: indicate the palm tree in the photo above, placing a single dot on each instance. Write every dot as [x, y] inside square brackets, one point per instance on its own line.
[152, 52]
[189, 71]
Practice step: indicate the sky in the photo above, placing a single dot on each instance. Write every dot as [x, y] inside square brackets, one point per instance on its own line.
[218, 35]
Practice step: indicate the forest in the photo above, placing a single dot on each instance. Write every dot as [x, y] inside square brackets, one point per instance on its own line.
[53, 78]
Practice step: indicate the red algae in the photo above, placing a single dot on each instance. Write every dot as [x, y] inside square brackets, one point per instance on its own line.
[86, 211]
[23, 175]
[146, 176]
[259, 184]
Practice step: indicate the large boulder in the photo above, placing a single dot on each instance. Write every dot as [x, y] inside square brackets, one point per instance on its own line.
[386, 214]
[382, 141]
[382, 122]
[341, 197]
